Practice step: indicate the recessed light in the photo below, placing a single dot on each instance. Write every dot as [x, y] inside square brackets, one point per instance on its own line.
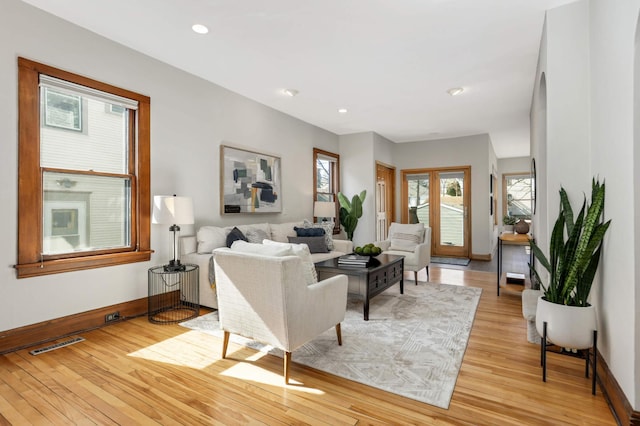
[200, 29]
[455, 91]
[343, 110]
[290, 92]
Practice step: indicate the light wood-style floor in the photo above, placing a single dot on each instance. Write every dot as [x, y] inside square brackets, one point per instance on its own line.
[136, 372]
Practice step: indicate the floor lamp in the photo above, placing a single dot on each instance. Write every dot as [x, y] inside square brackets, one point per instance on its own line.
[172, 210]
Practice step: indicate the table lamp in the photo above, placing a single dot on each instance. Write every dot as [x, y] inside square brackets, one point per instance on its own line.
[324, 209]
[173, 210]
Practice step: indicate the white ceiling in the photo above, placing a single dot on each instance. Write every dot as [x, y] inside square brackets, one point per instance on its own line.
[389, 62]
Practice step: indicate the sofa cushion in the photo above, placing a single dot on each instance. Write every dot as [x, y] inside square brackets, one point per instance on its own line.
[235, 235]
[210, 238]
[328, 230]
[256, 235]
[406, 237]
[302, 251]
[315, 244]
[280, 231]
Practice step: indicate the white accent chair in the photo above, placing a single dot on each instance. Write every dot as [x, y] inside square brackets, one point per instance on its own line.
[265, 298]
[413, 241]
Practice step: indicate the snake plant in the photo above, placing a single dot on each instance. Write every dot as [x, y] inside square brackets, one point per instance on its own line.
[573, 262]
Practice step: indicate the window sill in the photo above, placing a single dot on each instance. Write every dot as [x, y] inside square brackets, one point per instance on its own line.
[79, 264]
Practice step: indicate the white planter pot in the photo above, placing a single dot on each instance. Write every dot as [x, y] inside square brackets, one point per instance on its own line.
[507, 228]
[567, 326]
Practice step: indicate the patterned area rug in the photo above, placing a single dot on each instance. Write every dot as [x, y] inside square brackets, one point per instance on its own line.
[412, 345]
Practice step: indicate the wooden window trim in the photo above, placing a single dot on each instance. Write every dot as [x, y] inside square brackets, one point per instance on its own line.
[336, 182]
[30, 260]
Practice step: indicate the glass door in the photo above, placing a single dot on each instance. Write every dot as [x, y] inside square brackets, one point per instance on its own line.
[440, 199]
[451, 228]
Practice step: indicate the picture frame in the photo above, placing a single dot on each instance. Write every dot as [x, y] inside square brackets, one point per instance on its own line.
[250, 181]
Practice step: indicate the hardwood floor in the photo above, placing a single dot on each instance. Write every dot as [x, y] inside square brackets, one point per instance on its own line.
[135, 372]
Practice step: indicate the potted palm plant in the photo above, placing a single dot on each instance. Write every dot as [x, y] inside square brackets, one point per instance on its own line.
[350, 212]
[574, 254]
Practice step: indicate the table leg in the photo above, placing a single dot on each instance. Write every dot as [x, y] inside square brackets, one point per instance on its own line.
[499, 265]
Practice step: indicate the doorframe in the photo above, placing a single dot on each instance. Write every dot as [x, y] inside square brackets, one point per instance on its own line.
[434, 194]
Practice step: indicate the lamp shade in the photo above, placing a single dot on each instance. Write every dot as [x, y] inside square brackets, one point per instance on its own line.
[324, 209]
[172, 210]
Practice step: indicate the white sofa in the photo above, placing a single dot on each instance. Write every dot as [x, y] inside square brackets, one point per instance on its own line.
[197, 249]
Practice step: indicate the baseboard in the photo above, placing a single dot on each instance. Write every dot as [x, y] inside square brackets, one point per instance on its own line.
[46, 331]
[617, 400]
[485, 257]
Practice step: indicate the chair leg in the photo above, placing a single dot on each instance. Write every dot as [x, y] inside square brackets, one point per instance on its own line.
[287, 363]
[415, 276]
[225, 344]
[427, 268]
[339, 334]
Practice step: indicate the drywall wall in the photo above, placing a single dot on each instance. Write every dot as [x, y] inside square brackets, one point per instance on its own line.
[613, 44]
[585, 72]
[358, 173]
[464, 151]
[190, 118]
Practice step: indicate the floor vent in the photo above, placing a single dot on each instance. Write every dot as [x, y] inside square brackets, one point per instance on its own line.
[56, 346]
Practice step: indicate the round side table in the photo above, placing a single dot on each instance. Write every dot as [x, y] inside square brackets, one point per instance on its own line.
[174, 296]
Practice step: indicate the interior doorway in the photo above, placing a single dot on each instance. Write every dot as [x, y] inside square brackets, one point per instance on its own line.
[385, 194]
[440, 198]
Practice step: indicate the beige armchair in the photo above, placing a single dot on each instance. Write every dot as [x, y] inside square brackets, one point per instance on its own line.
[413, 241]
[266, 298]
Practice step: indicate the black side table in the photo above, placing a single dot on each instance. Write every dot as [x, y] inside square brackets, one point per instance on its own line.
[174, 296]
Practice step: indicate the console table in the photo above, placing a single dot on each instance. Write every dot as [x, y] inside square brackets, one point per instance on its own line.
[517, 239]
[174, 296]
[384, 271]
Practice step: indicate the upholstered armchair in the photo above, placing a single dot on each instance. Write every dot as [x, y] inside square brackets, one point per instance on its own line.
[413, 241]
[266, 298]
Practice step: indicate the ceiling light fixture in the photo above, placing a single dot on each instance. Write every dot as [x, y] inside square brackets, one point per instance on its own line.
[455, 91]
[290, 92]
[200, 29]
[343, 110]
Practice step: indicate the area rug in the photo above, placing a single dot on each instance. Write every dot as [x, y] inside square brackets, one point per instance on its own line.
[450, 260]
[412, 345]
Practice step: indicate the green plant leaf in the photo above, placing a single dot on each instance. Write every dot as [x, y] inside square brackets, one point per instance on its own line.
[356, 207]
[344, 202]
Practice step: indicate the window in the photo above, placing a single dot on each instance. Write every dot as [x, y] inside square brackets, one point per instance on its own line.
[516, 195]
[83, 191]
[326, 179]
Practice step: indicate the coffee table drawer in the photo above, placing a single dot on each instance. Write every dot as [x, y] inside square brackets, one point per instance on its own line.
[378, 281]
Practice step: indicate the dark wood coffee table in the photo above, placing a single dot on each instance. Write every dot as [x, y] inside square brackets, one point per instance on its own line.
[384, 271]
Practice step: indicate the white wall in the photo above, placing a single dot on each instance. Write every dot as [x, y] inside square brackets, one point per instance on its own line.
[587, 57]
[190, 118]
[464, 151]
[358, 172]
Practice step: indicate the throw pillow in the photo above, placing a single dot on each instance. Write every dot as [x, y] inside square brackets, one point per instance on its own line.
[235, 235]
[262, 249]
[406, 237]
[328, 230]
[302, 251]
[309, 232]
[256, 235]
[210, 238]
[315, 244]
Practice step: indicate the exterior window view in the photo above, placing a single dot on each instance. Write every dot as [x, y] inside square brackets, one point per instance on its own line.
[84, 158]
[519, 196]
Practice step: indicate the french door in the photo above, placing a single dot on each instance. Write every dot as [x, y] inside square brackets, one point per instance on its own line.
[385, 185]
[440, 198]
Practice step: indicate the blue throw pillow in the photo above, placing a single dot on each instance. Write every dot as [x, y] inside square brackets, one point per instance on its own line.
[234, 235]
[309, 232]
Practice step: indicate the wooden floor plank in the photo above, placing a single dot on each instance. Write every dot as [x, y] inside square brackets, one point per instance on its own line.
[135, 372]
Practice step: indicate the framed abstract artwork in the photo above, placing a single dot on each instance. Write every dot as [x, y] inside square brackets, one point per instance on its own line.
[250, 181]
